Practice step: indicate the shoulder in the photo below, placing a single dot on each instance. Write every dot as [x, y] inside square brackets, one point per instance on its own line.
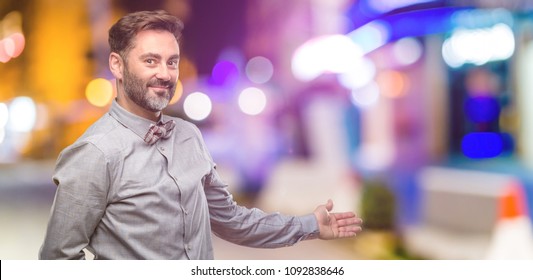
[97, 138]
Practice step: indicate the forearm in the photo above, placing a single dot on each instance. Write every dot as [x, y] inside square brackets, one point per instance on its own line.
[69, 229]
[254, 228]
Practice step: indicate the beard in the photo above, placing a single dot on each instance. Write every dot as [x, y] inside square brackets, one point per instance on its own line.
[137, 91]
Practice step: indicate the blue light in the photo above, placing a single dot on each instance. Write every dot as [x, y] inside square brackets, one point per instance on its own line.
[482, 145]
[410, 23]
[421, 22]
[482, 109]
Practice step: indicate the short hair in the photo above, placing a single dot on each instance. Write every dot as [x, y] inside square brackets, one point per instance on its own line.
[123, 32]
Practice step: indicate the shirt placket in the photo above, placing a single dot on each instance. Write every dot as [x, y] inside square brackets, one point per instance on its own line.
[165, 150]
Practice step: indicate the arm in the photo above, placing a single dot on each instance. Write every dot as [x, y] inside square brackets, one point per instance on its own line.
[82, 182]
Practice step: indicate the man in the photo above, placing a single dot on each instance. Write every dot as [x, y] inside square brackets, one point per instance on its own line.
[141, 185]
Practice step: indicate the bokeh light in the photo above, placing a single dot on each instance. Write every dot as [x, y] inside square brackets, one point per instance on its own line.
[225, 73]
[4, 57]
[360, 74]
[22, 114]
[259, 69]
[178, 93]
[252, 101]
[449, 56]
[99, 92]
[366, 96]
[19, 42]
[407, 51]
[9, 46]
[392, 84]
[325, 54]
[371, 35]
[470, 45]
[12, 41]
[197, 106]
[480, 145]
[482, 82]
[504, 41]
[482, 109]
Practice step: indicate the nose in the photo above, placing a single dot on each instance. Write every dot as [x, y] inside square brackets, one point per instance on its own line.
[163, 73]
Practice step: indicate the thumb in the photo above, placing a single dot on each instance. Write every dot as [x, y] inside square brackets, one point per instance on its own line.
[329, 205]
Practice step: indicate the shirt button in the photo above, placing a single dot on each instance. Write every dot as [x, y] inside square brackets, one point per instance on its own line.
[186, 212]
[162, 148]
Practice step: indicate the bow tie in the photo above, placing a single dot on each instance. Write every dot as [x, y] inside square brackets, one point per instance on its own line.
[158, 131]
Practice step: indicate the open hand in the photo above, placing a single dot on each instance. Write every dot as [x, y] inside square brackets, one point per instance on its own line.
[336, 225]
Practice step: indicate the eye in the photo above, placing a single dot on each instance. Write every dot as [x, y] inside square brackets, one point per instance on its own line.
[173, 63]
[150, 61]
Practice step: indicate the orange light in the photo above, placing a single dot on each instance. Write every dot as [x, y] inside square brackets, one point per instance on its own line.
[512, 202]
[178, 93]
[99, 92]
[393, 84]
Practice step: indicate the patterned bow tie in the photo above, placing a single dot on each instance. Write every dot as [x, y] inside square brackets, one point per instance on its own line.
[158, 131]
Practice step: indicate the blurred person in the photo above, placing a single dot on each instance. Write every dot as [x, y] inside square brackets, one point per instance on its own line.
[139, 184]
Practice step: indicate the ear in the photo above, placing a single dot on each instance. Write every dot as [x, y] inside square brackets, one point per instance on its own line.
[116, 65]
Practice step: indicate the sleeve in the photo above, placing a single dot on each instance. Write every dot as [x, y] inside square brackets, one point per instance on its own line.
[82, 183]
[251, 227]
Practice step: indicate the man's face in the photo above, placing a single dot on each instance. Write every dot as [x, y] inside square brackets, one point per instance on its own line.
[151, 70]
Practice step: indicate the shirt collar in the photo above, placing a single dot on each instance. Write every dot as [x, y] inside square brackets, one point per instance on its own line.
[138, 125]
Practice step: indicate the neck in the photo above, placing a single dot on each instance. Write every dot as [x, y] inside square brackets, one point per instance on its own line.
[132, 107]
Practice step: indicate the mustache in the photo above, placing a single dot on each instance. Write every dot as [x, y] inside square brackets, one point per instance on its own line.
[160, 83]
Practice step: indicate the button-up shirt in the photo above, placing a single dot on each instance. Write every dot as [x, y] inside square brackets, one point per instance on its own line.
[120, 198]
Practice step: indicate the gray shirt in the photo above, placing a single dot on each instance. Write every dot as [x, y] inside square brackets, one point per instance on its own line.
[121, 198]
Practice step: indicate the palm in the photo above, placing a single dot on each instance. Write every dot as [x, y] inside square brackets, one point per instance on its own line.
[336, 225]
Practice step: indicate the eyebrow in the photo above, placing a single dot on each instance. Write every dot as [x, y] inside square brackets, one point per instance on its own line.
[158, 56]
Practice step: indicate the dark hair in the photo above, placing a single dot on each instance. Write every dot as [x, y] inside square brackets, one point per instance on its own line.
[122, 33]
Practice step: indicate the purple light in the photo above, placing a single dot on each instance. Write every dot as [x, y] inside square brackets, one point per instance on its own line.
[482, 109]
[225, 73]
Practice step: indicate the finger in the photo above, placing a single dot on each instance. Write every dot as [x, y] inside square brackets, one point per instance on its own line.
[343, 215]
[349, 222]
[347, 234]
[350, 229]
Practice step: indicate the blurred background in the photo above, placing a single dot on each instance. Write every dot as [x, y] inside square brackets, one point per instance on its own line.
[416, 114]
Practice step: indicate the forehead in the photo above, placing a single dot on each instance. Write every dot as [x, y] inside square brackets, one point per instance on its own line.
[155, 41]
